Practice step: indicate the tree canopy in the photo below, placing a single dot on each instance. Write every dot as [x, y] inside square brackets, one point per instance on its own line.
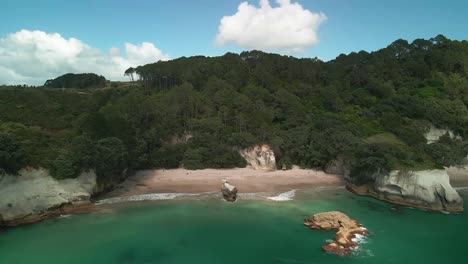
[370, 108]
[82, 80]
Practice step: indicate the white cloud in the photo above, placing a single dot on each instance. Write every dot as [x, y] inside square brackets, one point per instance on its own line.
[32, 57]
[287, 27]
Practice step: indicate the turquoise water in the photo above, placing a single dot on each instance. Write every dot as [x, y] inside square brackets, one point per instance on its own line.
[249, 231]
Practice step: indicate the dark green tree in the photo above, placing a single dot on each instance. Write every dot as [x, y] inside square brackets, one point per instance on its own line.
[12, 157]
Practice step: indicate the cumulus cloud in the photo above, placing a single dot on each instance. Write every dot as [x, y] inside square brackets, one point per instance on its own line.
[32, 57]
[286, 27]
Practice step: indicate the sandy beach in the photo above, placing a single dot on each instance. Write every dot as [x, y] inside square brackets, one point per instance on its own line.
[247, 180]
[458, 177]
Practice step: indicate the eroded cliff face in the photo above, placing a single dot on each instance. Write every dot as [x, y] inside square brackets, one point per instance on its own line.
[434, 134]
[259, 157]
[34, 195]
[429, 189]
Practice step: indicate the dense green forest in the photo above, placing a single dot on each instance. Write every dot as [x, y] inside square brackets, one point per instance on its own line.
[370, 109]
[71, 80]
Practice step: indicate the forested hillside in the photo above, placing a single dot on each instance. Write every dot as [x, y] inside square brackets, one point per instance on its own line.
[371, 109]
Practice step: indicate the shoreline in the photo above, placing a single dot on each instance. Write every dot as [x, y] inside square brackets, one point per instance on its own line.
[246, 180]
[153, 185]
[365, 191]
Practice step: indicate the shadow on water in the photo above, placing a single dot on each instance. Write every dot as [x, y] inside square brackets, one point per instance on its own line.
[184, 243]
[128, 256]
[379, 206]
[290, 260]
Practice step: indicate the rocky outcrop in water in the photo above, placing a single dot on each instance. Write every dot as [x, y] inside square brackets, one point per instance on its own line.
[345, 238]
[259, 157]
[428, 189]
[229, 191]
[34, 195]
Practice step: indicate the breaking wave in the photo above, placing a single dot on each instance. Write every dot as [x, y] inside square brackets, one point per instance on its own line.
[286, 196]
[360, 239]
[144, 197]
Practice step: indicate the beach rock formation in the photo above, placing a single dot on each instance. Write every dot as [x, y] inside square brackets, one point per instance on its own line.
[229, 191]
[345, 238]
[34, 195]
[259, 157]
[429, 189]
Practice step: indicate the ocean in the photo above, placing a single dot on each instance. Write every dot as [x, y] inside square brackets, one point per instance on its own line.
[206, 229]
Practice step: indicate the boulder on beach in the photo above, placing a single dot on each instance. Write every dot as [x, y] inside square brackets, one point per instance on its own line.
[348, 230]
[229, 191]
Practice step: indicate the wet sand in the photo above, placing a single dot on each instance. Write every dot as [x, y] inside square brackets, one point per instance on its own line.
[247, 180]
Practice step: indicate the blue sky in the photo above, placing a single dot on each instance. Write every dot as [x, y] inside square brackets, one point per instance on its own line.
[185, 28]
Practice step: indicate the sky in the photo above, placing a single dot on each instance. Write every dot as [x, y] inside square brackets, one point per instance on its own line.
[40, 40]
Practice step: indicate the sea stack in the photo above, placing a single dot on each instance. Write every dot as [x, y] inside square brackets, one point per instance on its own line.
[229, 191]
[345, 238]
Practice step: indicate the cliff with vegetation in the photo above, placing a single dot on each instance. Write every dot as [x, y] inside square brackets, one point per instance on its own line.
[370, 111]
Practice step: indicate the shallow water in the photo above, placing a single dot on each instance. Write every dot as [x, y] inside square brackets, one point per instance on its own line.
[253, 230]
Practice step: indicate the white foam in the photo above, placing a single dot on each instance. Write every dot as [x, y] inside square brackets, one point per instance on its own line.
[286, 196]
[360, 239]
[143, 197]
[64, 216]
[250, 196]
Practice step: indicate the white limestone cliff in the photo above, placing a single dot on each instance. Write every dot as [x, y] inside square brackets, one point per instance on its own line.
[29, 195]
[259, 157]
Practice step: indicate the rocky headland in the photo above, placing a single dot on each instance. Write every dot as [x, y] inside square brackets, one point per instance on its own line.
[34, 195]
[429, 189]
[424, 189]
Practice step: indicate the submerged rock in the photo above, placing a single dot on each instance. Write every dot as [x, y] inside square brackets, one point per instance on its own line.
[429, 189]
[348, 230]
[229, 191]
[34, 195]
[259, 157]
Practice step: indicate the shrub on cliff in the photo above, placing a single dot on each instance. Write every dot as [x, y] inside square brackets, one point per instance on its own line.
[371, 160]
[204, 150]
[111, 160]
[71, 162]
[64, 166]
[446, 152]
[12, 157]
[168, 157]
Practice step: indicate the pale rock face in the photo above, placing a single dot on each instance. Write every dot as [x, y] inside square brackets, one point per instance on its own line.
[429, 189]
[184, 138]
[434, 134]
[229, 191]
[259, 157]
[34, 191]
